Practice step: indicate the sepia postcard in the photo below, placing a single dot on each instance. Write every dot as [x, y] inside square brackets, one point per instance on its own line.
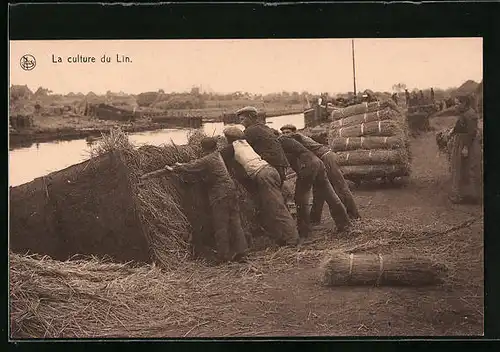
[246, 188]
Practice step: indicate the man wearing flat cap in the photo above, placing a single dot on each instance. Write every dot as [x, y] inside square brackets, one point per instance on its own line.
[263, 140]
[264, 183]
[333, 172]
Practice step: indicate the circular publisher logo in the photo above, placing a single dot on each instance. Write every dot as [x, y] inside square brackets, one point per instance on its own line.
[28, 62]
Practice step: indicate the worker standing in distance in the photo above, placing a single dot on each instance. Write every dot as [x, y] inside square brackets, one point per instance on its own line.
[211, 170]
[466, 158]
[311, 174]
[263, 140]
[263, 182]
[333, 172]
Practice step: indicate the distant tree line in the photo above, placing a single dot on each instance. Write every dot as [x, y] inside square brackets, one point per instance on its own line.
[194, 99]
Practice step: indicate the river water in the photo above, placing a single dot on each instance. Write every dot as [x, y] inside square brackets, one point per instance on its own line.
[26, 164]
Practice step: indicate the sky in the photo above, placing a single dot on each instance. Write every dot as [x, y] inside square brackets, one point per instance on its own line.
[253, 65]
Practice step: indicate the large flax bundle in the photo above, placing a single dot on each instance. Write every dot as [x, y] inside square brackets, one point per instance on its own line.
[372, 142]
[99, 207]
[363, 108]
[375, 171]
[375, 128]
[379, 115]
[372, 157]
[343, 269]
[87, 208]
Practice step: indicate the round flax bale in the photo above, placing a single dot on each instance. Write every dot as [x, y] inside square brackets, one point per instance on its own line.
[343, 269]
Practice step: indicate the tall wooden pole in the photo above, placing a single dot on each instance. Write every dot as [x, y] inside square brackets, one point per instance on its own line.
[353, 67]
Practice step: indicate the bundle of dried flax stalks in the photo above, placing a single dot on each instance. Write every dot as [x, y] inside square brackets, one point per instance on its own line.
[343, 269]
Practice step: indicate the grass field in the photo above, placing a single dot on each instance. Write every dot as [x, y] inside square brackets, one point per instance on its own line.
[278, 292]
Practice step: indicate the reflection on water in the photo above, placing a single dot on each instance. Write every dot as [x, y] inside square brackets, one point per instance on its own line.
[38, 159]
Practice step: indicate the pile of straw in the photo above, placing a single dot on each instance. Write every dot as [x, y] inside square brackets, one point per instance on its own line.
[342, 269]
[372, 141]
[88, 298]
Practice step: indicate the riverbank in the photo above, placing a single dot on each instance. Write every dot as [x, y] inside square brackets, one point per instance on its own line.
[54, 128]
[28, 137]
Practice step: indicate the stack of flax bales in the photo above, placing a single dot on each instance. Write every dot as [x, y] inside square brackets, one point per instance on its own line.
[99, 207]
[371, 141]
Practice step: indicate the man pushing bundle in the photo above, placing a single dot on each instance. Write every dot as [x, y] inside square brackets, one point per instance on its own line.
[263, 182]
[333, 172]
[211, 170]
[311, 174]
[263, 140]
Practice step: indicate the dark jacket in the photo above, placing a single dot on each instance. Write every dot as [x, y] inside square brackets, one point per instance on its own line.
[317, 148]
[211, 171]
[265, 143]
[298, 156]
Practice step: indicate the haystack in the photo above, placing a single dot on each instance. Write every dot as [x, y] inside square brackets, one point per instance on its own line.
[371, 141]
[343, 269]
[99, 207]
[87, 208]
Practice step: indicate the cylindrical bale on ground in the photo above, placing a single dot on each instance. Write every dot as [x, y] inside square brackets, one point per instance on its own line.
[373, 142]
[372, 157]
[361, 172]
[384, 128]
[343, 269]
[362, 109]
[93, 212]
[385, 114]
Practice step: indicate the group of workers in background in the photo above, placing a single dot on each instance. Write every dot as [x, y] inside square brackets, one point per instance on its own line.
[258, 157]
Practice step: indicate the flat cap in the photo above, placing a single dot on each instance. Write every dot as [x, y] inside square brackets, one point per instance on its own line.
[247, 109]
[233, 132]
[288, 127]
